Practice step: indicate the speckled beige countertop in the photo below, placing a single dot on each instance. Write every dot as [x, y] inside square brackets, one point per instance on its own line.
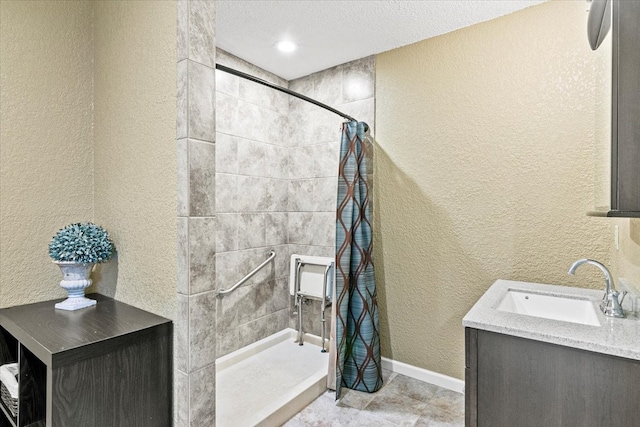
[617, 337]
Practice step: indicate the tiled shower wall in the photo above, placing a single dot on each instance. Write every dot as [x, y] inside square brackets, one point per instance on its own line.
[314, 156]
[194, 332]
[276, 177]
[251, 204]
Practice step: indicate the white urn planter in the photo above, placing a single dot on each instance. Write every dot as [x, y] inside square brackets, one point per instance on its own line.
[75, 279]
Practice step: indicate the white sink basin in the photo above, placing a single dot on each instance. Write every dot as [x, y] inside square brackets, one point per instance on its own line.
[566, 309]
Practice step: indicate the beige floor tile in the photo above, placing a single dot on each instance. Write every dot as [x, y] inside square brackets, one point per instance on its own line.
[416, 389]
[396, 409]
[434, 417]
[402, 401]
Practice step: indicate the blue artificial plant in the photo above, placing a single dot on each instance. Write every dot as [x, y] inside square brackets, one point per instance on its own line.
[84, 243]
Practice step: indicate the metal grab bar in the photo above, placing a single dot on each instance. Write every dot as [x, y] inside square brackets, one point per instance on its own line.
[272, 255]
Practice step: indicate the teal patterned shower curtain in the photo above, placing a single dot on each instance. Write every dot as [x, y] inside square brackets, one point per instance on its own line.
[357, 327]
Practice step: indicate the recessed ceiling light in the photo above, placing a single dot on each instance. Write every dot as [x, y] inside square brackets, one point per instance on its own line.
[286, 46]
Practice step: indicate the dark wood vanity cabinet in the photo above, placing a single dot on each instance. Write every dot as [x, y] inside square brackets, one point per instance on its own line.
[625, 125]
[513, 381]
[107, 365]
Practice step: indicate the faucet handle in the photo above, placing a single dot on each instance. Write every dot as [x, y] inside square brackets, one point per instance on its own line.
[624, 294]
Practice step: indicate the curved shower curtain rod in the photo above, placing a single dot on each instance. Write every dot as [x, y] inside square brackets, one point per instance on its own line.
[285, 90]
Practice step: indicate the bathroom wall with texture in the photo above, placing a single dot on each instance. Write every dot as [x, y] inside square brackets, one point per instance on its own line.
[134, 150]
[46, 139]
[484, 171]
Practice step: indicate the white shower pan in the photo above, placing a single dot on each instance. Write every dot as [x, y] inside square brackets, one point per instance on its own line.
[268, 382]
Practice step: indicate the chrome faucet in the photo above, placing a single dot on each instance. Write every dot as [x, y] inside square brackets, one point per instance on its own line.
[610, 305]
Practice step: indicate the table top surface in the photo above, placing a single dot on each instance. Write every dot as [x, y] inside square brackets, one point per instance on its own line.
[57, 330]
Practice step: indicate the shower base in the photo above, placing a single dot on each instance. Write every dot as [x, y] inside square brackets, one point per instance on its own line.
[268, 382]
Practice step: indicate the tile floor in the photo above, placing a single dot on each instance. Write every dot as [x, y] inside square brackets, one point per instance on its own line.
[402, 401]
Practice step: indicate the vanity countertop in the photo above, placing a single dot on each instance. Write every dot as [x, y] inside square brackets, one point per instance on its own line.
[617, 337]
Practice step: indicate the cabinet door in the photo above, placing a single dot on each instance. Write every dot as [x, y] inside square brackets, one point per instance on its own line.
[625, 173]
[528, 383]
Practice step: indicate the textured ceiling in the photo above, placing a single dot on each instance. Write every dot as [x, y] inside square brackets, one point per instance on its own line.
[334, 32]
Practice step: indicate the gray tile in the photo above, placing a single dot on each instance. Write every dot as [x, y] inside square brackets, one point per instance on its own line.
[202, 250]
[304, 86]
[182, 24]
[227, 307]
[202, 182]
[281, 102]
[227, 113]
[228, 341]
[264, 97]
[326, 158]
[358, 81]
[434, 417]
[227, 83]
[252, 194]
[251, 230]
[302, 163]
[181, 398]
[276, 159]
[201, 108]
[448, 401]
[355, 399]
[279, 298]
[226, 193]
[325, 126]
[182, 260]
[276, 195]
[275, 226]
[415, 389]
[227, 266]
[300, 231]
[254, 93]
[325, 412]
[202, 330]
[202, 20]
[325, 194]
[226, 232]
[396, 409]
[251, 157]
[323, 229]
[301, 195]
[181, 331]
[202, 385]
[277, 129]
[181, 97]
[263, 327]
[252, 122]
[281, 262]
[254, 304]
[183, 177]
[226, 153]
[387, 376]
[299, 129]
[327, 85]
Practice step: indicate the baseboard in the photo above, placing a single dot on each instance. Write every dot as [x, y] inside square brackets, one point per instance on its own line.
[425, 375]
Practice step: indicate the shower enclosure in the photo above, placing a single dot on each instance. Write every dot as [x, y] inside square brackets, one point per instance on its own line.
[276, 162]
